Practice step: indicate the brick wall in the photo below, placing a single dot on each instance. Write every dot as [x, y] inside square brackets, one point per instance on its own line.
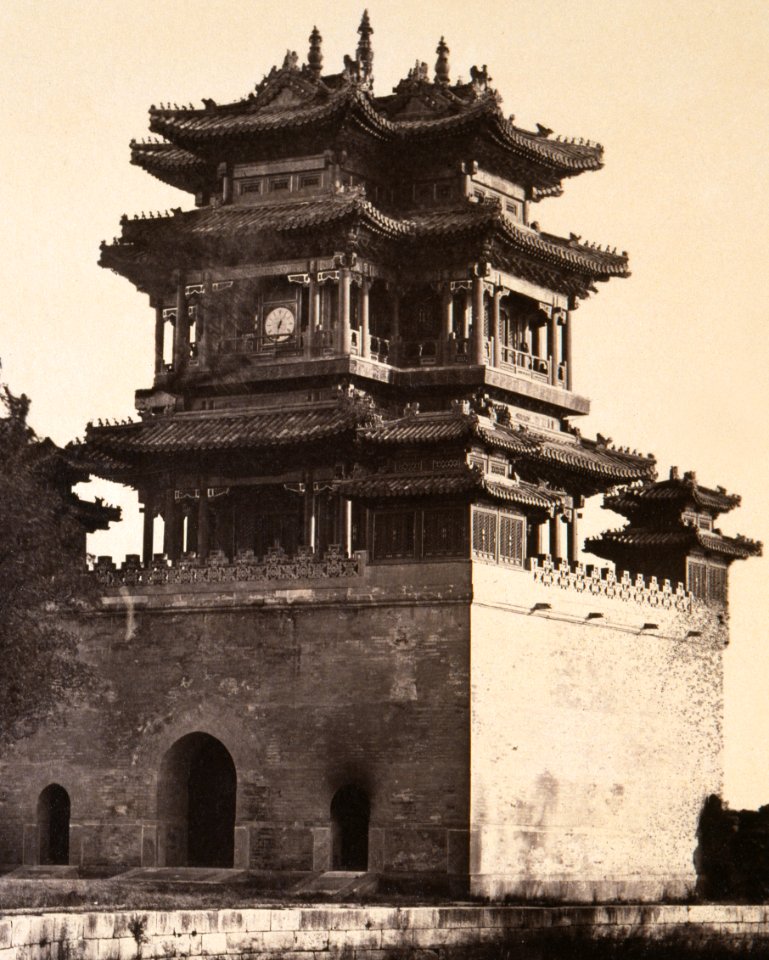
[308, 688]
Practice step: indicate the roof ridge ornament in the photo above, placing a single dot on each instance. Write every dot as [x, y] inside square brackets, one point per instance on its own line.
[365, 52]
[315, 54]
[442, 63]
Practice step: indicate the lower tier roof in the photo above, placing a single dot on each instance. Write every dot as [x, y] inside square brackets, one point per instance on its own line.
[582, 465]
[680, 538]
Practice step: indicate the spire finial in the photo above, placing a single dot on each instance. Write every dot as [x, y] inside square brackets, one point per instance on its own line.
[442, 63]
[315, 56]
[365, 52]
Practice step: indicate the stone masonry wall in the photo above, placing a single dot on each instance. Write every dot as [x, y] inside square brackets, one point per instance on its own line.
[596, 737]
[308, 686]
[375, 933]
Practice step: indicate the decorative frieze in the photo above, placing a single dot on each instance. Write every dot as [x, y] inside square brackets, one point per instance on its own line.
[604, 583]
[217, 568]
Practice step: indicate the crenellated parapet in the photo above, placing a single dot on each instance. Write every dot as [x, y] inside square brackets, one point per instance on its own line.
[597, 582]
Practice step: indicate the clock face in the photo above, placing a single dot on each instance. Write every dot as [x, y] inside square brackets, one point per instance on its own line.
[279, 323]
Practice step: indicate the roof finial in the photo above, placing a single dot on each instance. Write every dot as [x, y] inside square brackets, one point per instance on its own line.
[365, 53]
[442, 63]
[315, 56]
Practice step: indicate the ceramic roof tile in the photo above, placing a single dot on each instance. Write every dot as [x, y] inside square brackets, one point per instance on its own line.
[243, 431]
[681, 536]
[676, 492]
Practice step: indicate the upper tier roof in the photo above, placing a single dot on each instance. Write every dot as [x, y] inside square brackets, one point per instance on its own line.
[671, 496]
[143, 240]
[293, 101]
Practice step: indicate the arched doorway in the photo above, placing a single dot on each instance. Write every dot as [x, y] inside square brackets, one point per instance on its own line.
[350, 810]
[196, 803]
[53, 810]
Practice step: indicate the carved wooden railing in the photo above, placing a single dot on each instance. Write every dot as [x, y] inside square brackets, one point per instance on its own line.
[523, 362]
[217, 568]
[604, 583]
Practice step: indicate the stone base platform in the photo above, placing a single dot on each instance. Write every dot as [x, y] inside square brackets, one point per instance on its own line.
[366, 932]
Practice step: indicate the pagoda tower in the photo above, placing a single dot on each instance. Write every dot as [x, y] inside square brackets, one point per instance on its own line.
[358, 635]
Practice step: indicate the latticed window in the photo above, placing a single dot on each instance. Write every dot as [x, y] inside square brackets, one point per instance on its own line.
[444, 532]
[716, 583]
[697, 580]
[394, 535]
[498, 535]
[485, 533]
[510, 539]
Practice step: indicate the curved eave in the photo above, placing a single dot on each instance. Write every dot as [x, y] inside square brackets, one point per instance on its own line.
[616, 543]
[183, 435]
[674, 495]
[555, 158]
[390, 486]
[172, 165]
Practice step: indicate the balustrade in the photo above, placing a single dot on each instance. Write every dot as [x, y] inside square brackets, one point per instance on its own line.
[217, 568]
[523, 362]
[380, 349]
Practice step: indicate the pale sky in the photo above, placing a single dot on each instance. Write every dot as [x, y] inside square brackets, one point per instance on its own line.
[675, 358]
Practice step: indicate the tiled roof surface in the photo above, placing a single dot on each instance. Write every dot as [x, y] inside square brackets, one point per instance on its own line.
[314, 106]
[671, 494]
[595, 460]
[288, 215]
[220, 432]
[583, 456]
[683, 537]
[422, 428]
[171, 164]
[378, 486]
[524, 494]
[279, 217]
[406, 485]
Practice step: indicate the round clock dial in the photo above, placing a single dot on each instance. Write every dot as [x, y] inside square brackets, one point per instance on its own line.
[279, 323]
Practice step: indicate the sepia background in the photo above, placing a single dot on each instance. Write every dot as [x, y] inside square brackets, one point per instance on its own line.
[675, 358]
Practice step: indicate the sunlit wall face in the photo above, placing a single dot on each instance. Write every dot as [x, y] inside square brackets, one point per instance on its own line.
[675, 358]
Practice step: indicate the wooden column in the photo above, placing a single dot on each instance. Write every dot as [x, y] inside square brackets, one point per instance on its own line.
[555, 538]
[227, 185]
[466, 314]
[496, 326]
[572, 544]
[172, 526]
[395, 327]
[479, 337]
[365, 332]
[312, 313]
[148, 523]
[567, 348]
[344, 523]
[552, 346]
[316, 333]
[204, 302]
[447, 320]
[159, 338]
[345, 337]
[203, 528]
[309, 512]
[536, 341]
[182, 329]
[347, 543]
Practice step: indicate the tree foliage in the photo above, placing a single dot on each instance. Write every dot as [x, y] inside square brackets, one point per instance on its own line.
[44, 588]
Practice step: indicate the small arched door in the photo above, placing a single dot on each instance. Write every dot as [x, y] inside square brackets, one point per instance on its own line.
[350, 810]
[53, 812]
[196, 802]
